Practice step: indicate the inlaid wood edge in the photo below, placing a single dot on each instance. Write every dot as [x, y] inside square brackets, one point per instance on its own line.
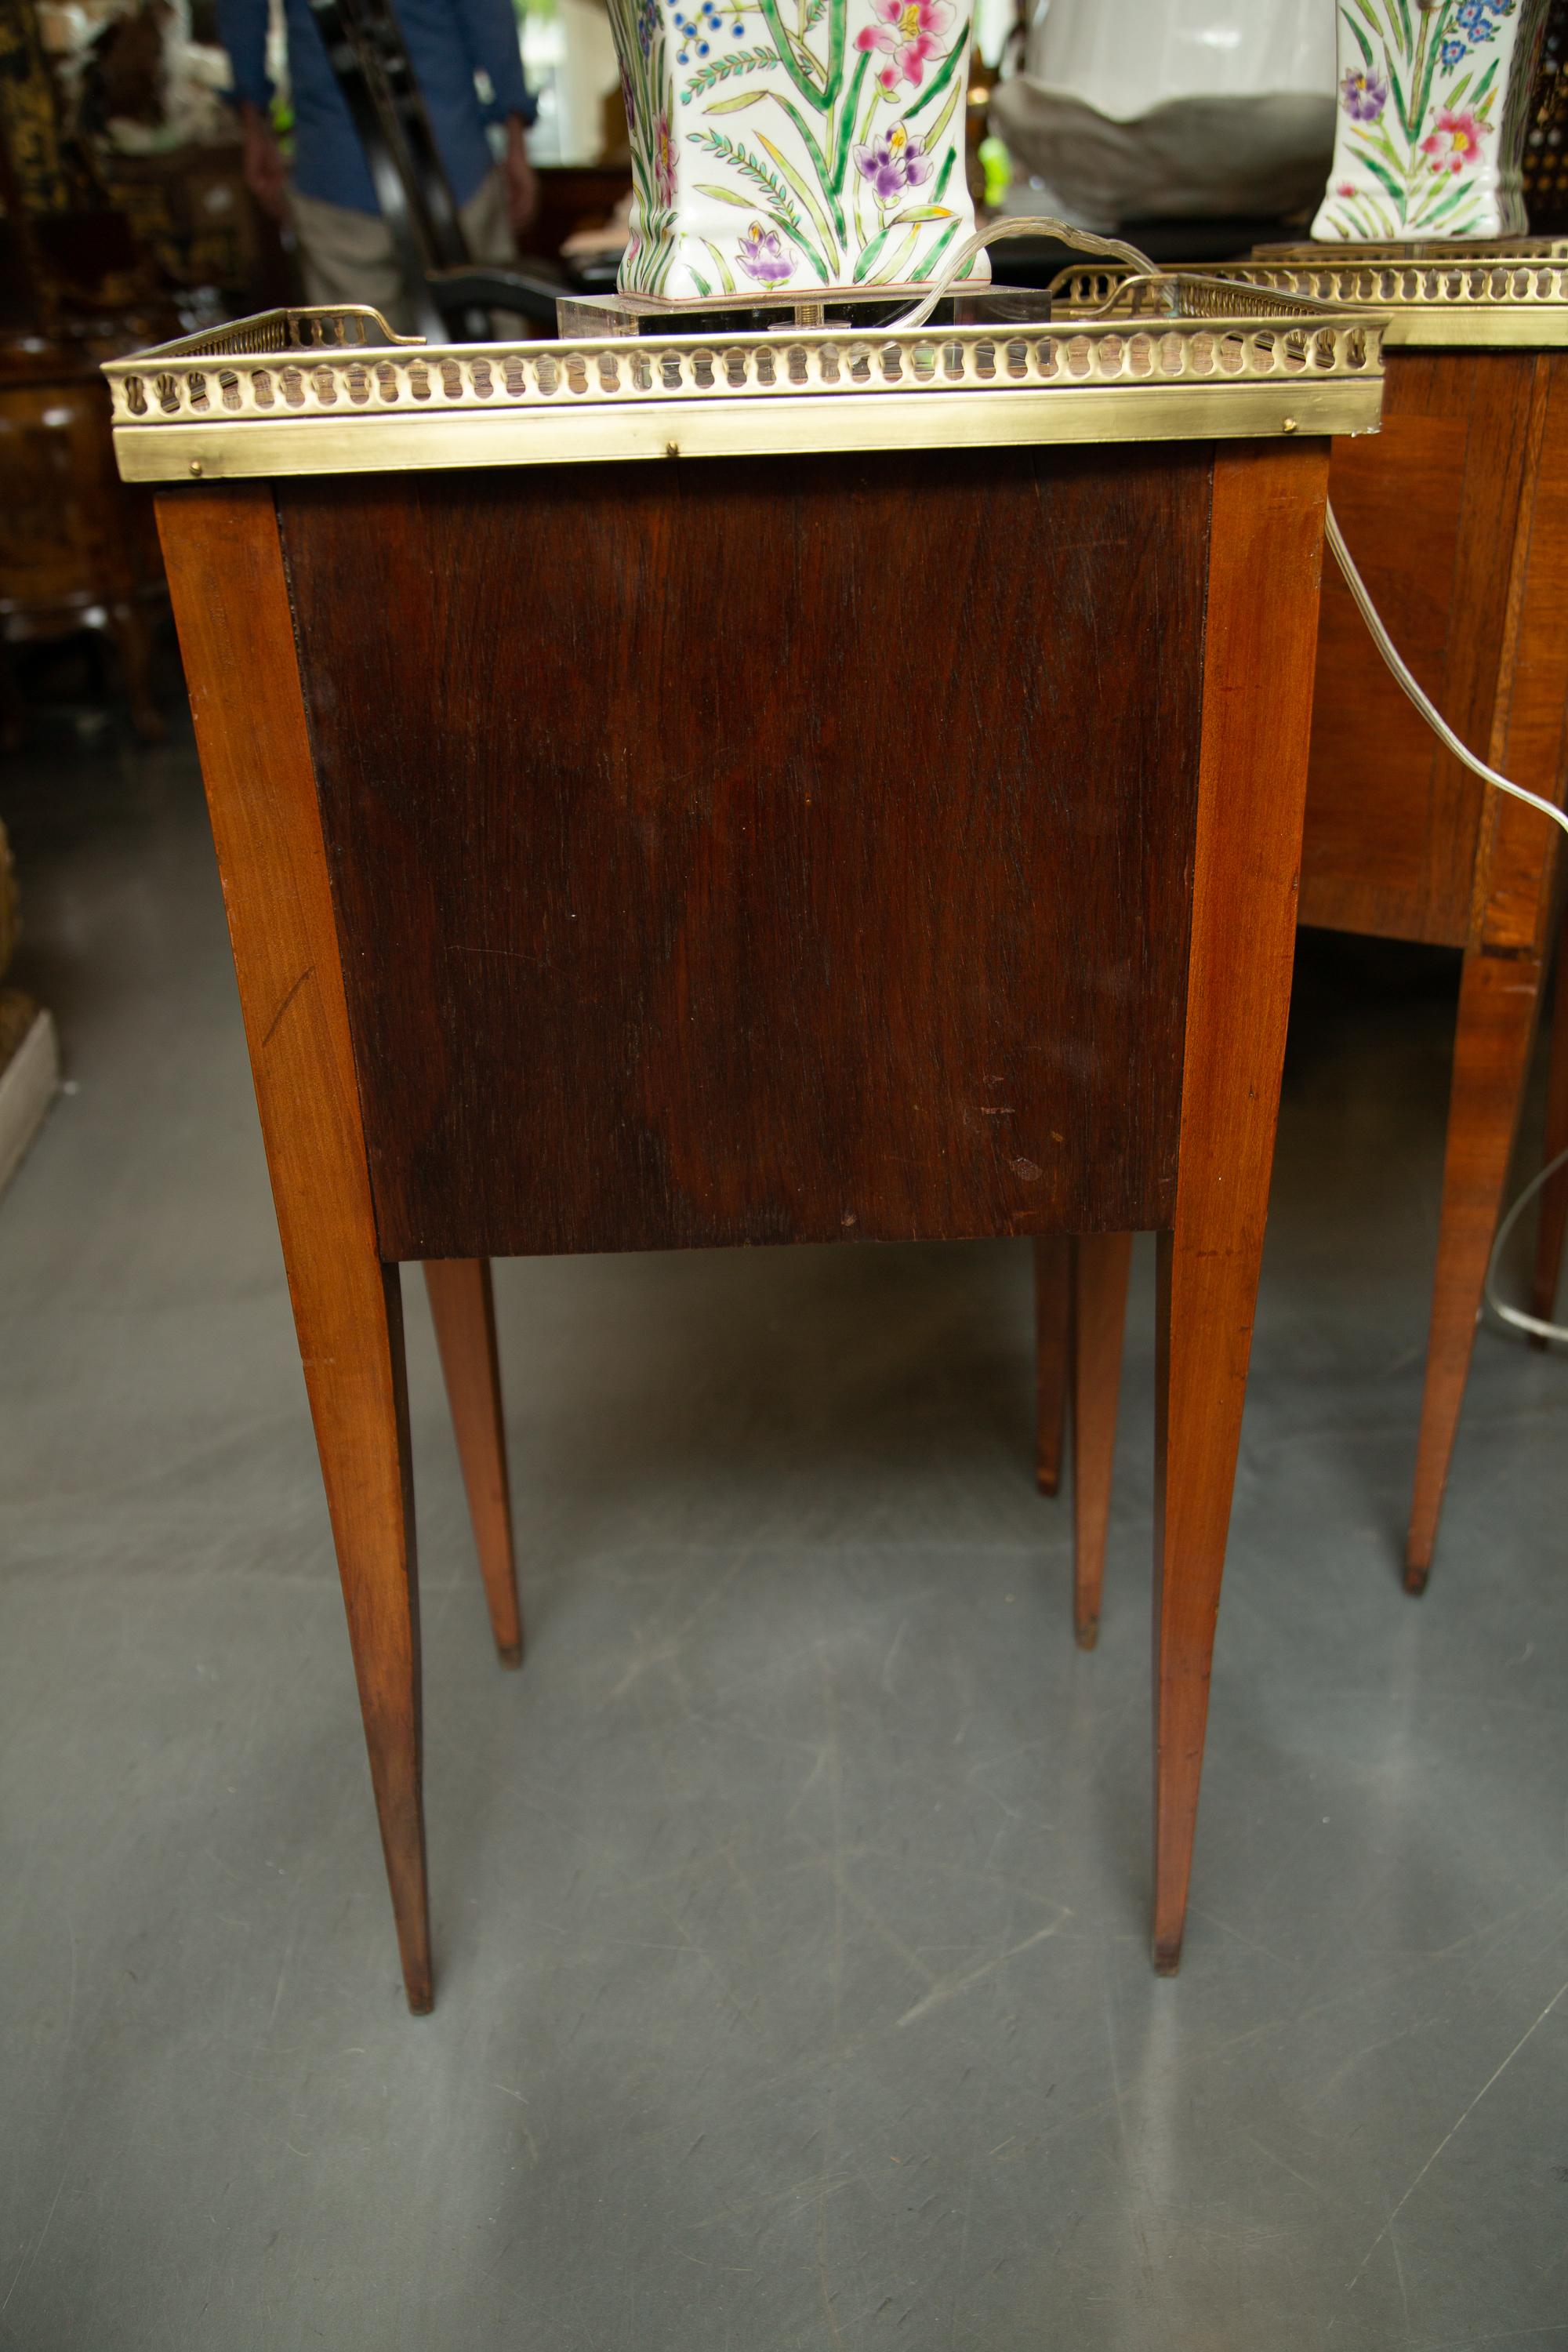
[1518, 855]
[231, 608]
[1260, 654]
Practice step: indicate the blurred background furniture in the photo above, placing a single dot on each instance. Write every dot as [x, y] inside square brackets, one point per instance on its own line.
[29, 1057]
[77, 549]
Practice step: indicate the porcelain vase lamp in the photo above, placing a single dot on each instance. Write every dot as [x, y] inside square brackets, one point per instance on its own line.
[796, 146]
[1433, 99]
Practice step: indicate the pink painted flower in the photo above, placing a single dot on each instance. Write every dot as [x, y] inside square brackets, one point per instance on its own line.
[1455, 142]
[910, 32]
[763, 255]
[1345, 188]
[663, 162]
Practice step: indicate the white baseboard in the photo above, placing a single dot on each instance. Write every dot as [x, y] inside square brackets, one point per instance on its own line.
[28, 1083]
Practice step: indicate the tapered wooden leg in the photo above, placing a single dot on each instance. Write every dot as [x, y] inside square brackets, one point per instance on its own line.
[1052, 1312]
[1552, 1223]
[226, 574]
[1257, 685]
[462, 1307]
[1497, 998]
[1100, 1263]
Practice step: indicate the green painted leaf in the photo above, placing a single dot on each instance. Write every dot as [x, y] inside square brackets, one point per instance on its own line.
[722, 265]
[869, 257]
[932, 135]
[846, 124]
[727, 196]
[922, 213]
[898, 261]
[725, 69]
[1398, 88]
[949, 66]
[697, 279]
[733, 105]
[1380, 172]
[803, 191]
[808, 89]
[1362, 44]
[928, 267]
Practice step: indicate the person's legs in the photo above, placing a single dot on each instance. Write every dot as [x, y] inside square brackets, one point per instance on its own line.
[347, 257]
[488, 232]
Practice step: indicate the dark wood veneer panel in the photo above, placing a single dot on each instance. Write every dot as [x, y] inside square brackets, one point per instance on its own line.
[719, 856]
[1429, 506]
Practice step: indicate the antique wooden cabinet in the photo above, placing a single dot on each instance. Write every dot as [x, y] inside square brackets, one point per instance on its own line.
[762, 783]
[1457, 516]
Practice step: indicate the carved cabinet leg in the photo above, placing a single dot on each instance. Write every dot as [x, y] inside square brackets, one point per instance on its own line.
[1100, 1263]
[1053, 1295]
[462, 1307]
[1268, 523]
[1498, 997]
[249, 716]
[1552, 1224]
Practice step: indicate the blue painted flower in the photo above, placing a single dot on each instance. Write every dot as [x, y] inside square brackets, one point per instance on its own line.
[1363, 94]
[694, 31]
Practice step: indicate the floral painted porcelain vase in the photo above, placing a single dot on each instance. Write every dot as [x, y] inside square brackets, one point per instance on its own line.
[1433, 99]
[792, 145]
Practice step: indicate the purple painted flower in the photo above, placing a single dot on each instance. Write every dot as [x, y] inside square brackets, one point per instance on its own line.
[764, 255]
[892, 163]
[1363, 94]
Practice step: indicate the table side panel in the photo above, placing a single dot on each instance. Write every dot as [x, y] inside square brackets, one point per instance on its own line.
[1429, 508]
[1531, 745]
[753, 851]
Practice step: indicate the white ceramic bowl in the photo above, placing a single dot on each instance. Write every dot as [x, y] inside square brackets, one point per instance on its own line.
[1179, 106]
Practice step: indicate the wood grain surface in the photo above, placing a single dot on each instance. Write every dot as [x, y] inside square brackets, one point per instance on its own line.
[1511, 895]
[760, 851]
[1100, 1265]
[1429, 508]
[1267, 525]
[226, 577]
[463, 1309]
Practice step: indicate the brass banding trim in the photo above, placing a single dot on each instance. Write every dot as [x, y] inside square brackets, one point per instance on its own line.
[1497, 301]
[316, 445]
[322, 393]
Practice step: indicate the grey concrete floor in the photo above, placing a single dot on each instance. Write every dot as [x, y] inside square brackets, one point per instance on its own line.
[790, 1906]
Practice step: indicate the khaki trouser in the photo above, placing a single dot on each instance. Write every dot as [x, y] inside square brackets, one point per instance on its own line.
[347, 255]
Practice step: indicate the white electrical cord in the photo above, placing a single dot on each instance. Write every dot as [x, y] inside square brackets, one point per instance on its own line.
[1081, 240]
[1513, 1317]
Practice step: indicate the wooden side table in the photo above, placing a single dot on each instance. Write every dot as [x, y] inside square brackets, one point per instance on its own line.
[863, 819]
[1457, 516]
